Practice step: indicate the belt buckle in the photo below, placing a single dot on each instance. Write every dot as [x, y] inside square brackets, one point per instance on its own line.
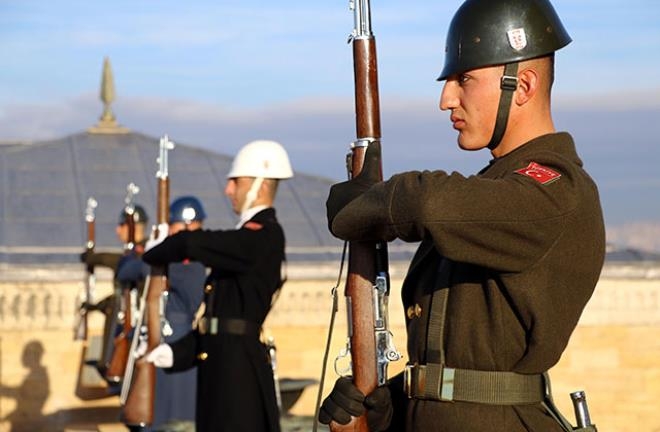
[203, 325]
[416, 379]
[407, 380]
[414, 375]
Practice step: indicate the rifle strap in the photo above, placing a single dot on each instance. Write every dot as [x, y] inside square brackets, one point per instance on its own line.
[326, 353]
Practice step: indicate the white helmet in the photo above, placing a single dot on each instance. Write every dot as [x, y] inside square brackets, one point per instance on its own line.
[261, 159]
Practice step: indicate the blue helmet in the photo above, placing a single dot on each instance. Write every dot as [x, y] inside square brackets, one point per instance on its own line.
[186, 209]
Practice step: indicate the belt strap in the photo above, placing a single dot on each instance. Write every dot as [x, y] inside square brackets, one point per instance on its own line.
[435, 382]
[239, 327]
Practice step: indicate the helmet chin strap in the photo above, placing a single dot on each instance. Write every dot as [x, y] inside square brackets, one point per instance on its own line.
[508, 84]
[251, 195]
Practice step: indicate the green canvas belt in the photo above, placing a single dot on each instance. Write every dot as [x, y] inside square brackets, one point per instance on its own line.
[435, 381]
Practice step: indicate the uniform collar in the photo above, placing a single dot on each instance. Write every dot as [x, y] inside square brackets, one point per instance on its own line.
[249, 214]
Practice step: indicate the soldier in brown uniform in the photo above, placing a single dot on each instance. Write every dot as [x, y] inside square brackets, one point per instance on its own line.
[508, 257]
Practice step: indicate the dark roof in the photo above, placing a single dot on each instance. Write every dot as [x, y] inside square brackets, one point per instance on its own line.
[45, 187]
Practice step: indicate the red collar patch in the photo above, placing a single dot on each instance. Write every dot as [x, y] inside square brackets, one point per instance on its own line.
[254, 226]
[540, 173]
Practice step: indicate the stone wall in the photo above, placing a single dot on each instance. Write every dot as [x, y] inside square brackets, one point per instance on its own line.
[614, 354]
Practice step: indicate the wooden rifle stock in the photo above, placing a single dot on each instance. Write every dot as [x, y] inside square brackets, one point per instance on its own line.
[139, 406]
[362, 256]
[122, 342]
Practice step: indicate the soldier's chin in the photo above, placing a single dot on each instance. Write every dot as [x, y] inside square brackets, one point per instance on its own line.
[469, 145]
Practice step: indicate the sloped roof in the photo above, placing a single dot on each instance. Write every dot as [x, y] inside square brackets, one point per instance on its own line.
[44, 188]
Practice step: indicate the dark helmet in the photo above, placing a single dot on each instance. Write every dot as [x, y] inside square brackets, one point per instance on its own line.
[186, 209]
[139, 215]
[487, 33]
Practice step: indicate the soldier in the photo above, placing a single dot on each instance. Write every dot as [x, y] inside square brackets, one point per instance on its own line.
[235, 388]
[508, 257]
[176, 391]
[111, 305]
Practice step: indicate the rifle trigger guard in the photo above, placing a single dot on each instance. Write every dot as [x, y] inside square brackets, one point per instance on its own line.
[343, 354]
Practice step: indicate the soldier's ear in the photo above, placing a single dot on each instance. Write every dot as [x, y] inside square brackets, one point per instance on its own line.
[528, 85]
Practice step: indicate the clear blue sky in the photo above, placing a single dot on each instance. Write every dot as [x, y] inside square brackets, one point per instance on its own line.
[255, 52]
[219, 73]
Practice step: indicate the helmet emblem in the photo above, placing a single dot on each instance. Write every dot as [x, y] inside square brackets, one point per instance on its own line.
[188, 214]
[517, 38]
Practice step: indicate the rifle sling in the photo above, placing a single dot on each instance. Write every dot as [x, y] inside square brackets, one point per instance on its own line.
[436, 381]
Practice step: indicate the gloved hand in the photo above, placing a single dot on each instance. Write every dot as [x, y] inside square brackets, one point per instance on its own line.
[343, 193]
[347, 400]
[158, 234]
[85, 256]
[143, 343]
[162, 356]
[379, 409]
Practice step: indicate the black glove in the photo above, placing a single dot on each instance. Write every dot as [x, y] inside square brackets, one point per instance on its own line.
[85, 256]
[379, 409]
[344, 401]
[343, 193]
[347, 400]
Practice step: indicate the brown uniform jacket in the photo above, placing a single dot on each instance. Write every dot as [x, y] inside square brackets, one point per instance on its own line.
[520, 248]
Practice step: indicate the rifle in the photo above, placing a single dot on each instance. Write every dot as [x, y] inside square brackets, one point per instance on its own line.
[138, 389]
[80, 332]
[121, 342]
[367, 284]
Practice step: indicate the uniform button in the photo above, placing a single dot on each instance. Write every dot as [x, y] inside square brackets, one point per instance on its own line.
[208, 288]
[414, 311]
[202, 356]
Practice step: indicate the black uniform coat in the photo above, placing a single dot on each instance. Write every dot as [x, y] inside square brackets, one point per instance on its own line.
[235, 389]
[519, 246]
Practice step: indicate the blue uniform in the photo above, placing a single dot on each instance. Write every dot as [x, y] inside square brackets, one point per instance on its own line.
[176, 391]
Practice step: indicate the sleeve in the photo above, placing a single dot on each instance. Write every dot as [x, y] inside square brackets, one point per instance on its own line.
[172, 249]
[105, 259]
[505, 223]
[185, 353]
[231, 249]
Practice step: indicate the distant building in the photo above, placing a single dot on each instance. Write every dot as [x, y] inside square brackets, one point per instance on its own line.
[45, 186]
